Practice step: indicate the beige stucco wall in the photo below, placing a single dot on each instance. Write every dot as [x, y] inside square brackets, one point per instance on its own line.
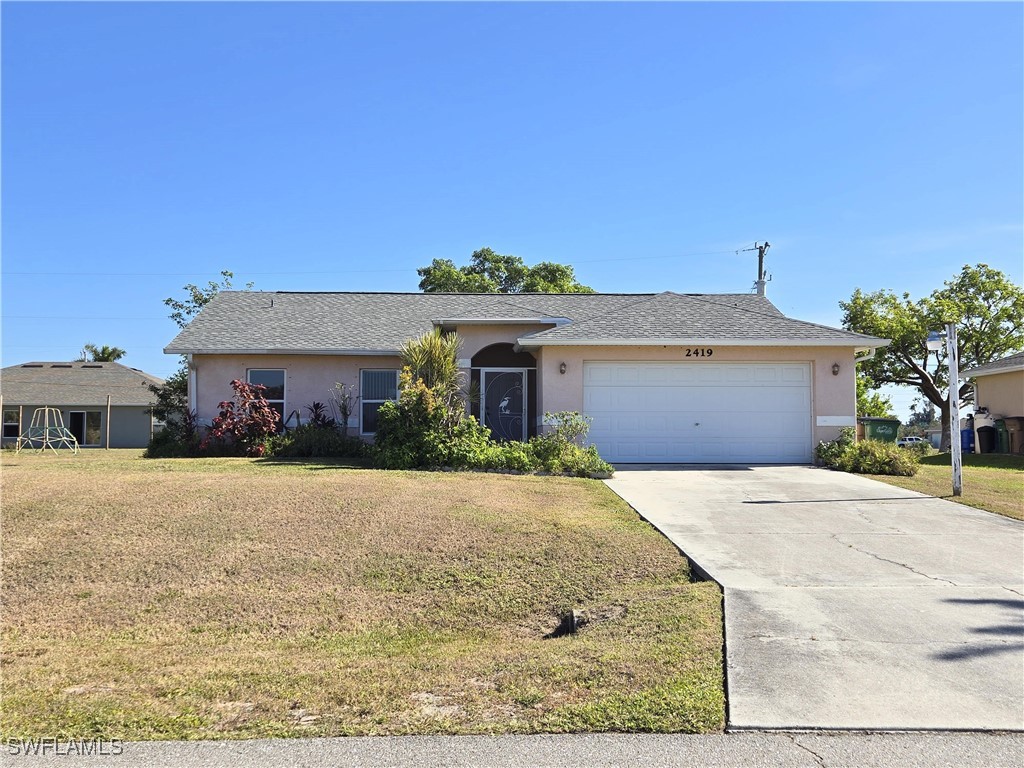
[1001, 393]
[831, 396]
[308, 378]
[477, 337]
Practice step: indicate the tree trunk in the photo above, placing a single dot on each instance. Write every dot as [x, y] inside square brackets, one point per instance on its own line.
[944, 421]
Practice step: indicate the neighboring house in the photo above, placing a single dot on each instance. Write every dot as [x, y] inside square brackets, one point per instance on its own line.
[665, 377]
[999, 386]
[80, 391]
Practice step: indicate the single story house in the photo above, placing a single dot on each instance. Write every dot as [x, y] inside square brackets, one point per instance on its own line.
[999, 386]
[86, 394]
[666, 377]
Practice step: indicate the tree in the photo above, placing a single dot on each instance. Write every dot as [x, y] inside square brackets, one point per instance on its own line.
[987, 307]
[171, 404]
[92, 354]
[490, 272]
[871, 402]
[923, 419]
[183, 310]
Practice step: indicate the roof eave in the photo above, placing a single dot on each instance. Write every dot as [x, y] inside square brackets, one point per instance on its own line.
[980, 372]
[859, 344]
[172, 350]
[556, 321]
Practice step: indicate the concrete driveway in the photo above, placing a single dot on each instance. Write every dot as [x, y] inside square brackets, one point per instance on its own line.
[849, 603]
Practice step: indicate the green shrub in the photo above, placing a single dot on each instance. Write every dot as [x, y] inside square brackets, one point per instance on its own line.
[867, 457]
[418, 430]
[559, 451]
[315, 440]
[427, 427]
[178, 439]
[829, 454]
[512, 455]
[923, 449]
[170, 444]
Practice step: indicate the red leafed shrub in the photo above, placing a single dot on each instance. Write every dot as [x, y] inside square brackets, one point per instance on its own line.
[245, 421]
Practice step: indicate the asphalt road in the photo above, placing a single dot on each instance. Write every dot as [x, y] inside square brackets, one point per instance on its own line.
[745, 750]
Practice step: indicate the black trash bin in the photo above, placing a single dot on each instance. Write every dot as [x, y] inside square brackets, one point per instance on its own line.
[986, 439]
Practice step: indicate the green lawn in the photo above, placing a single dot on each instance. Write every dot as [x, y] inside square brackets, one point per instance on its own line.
[233, 598]
[994, 482]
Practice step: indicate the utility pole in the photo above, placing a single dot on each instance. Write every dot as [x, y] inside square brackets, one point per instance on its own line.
[761, 249]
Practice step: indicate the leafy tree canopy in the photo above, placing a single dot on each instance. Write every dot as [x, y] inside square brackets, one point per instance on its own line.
[871, 402]
[93, 354]
[987, 307]
[490, 272]
[183, 310]
[171, 404]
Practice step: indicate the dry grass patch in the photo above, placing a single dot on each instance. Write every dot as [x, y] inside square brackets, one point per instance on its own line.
[236, 598]
[993, 482]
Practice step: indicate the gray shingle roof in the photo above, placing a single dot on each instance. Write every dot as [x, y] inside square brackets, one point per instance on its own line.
[61, 384]
[364, 323]
[699, 318]
[1005, 365]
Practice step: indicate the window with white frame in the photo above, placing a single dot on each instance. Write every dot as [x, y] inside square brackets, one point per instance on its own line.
[273, 380]
[11, 425]
[375, 387]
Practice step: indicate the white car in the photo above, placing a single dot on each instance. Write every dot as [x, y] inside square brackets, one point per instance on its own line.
[909, 442]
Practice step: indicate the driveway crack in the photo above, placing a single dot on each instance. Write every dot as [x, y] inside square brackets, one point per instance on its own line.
[1014, 591]
[894, 562]
[820, 760]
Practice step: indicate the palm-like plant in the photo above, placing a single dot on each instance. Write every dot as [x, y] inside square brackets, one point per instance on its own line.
[433, 359]
[105, 354]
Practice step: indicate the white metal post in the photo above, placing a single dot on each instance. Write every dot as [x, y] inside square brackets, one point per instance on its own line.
[954, 408]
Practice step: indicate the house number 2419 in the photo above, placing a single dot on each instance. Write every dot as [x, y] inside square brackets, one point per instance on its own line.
[700, 352]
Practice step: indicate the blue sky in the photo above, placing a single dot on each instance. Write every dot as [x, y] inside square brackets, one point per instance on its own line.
[336, 146]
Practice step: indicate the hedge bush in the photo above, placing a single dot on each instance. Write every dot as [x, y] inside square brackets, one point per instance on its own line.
[314, 440]
[866, 457]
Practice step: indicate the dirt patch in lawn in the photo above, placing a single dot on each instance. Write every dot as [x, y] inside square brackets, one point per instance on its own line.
[224, 598]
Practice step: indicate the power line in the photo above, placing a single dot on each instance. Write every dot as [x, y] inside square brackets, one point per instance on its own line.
[345, 271]
[75, 317]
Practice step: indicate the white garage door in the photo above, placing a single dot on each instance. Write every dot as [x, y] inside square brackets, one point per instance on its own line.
[699, 412]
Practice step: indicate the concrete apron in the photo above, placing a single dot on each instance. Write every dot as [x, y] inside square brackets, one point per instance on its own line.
[849, 603]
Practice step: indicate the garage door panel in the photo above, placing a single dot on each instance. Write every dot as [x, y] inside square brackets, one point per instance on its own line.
[714, 413]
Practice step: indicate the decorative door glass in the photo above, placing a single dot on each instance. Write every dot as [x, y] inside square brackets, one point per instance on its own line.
[504, 402]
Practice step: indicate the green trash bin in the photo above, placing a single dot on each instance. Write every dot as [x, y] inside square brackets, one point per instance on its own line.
[1002, 437]
[884, 430]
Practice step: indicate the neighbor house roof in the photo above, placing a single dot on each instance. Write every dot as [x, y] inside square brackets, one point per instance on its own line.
[1005, 365]
[245, 322]
[61, 384]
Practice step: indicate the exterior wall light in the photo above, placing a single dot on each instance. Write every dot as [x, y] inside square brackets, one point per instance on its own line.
[835, 369]
[561, 368]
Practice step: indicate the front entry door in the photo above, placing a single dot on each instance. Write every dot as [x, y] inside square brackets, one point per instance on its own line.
[503, 402]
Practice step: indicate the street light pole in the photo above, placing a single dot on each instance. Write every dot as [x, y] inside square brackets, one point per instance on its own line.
[934, 344]
[954, 408]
